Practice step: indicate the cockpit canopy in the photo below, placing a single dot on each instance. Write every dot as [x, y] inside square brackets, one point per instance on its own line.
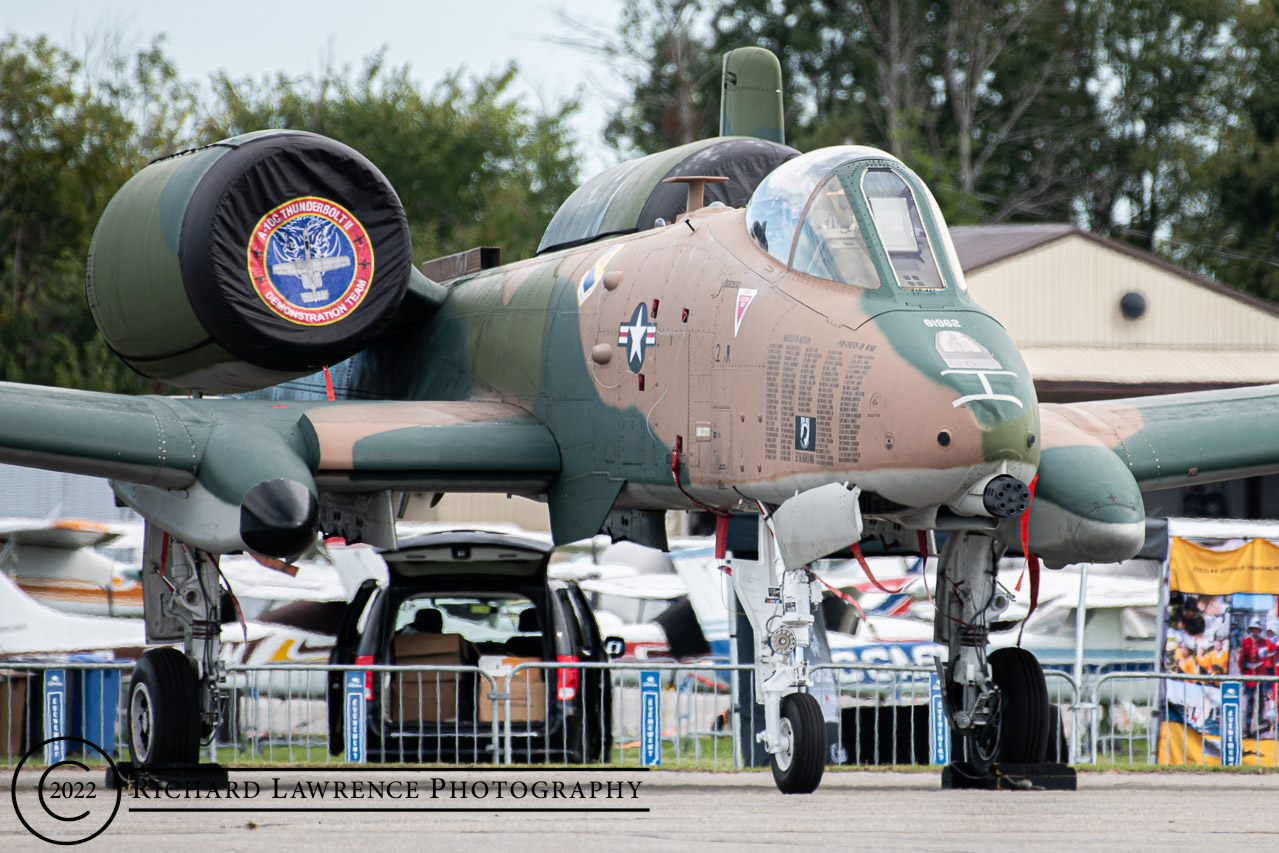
[857, 216]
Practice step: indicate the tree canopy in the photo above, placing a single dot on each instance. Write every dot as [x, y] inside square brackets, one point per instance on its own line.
[68, 140]
[471, 163]
[1151, 121]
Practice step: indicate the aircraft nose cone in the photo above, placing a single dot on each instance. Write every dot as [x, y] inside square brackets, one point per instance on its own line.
[279, 518]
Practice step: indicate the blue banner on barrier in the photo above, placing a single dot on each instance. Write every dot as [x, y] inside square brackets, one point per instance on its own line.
[55, 714]
[938, 724]
[650, 719]
[1231, 724]
[354, 716]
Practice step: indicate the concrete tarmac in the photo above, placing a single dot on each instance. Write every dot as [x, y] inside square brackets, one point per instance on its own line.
[657, 810]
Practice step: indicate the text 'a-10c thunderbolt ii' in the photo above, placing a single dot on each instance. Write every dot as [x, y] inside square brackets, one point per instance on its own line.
[727, 325]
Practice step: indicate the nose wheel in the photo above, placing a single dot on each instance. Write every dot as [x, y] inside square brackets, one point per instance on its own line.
[799, 764]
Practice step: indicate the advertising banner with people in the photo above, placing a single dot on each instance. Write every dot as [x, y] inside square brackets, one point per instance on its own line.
[1221, 620]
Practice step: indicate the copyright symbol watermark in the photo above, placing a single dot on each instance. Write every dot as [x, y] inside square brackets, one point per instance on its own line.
[68, 798]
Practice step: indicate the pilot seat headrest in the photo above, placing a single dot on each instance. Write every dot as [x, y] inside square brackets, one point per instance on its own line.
[528, 623]
[428, 620]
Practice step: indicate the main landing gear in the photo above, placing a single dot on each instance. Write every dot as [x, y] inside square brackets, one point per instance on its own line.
[164, 717]
[176, 697]
[1001, 718]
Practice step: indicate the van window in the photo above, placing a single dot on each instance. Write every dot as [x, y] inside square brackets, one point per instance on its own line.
[488, 618]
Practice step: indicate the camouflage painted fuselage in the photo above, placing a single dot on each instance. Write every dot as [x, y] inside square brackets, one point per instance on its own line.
[768, 381]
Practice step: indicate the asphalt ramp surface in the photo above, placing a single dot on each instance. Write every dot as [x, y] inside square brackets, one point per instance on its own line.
[615, 811]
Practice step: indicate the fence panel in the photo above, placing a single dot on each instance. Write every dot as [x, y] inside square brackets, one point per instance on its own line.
[94, 706]
[696, 727]
[591, 712]
[1168, 718]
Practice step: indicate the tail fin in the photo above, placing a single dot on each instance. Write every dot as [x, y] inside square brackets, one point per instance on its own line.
[752, 98]
[27, 626]
[355, 563]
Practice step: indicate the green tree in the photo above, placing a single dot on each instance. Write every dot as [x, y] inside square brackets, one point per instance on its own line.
[471, 164]
[1231, 229]
[985, 99]
[669, 74]
[66, 146]
[1013, 110]
[1162, 81]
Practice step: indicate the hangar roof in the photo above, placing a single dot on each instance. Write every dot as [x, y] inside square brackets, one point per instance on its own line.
[1057, 288]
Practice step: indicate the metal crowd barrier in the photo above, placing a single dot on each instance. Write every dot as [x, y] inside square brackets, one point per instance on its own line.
[696, 727]
[884, 712]
[877, 714]
[428, 714]
[1135, 719]
[89, 691]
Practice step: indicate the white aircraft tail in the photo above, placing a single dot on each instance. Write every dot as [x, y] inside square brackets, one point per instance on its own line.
[29, 627]
[354, 564]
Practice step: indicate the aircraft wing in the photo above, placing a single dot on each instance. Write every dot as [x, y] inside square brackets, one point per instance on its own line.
[65, 533]
[1182, 439]
[225, 474]
[31, 627]
[1097, 458]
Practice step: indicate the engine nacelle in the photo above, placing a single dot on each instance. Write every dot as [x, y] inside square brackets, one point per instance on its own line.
[249, 262]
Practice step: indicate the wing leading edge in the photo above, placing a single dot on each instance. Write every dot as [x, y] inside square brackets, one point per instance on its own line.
[1099, 456]
[1182, 439]
[210, 469]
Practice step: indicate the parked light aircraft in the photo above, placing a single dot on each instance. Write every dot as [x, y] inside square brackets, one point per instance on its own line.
[730, 324]
[60, 586]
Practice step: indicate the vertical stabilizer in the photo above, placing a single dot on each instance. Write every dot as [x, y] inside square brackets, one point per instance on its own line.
[27, 626]
[752, 101]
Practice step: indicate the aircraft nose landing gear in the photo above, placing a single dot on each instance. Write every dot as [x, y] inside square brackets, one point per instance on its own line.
[778, 593]
[800, 760]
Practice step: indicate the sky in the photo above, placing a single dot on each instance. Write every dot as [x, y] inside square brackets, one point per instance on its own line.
[433, 37]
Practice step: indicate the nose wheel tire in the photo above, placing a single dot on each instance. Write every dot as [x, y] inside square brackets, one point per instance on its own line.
[799, 765]
[1025, 715]
[164, 710]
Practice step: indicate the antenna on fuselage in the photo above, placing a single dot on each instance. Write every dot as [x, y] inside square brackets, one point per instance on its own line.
[752, 95]
[696, 186]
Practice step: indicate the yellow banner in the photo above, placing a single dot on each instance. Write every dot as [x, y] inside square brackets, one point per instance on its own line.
[1201, 571]
[1180, 744]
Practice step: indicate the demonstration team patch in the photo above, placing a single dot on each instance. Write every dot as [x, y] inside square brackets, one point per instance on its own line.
[311, 261]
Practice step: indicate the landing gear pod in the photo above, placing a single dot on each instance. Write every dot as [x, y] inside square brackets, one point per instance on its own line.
[248, 262]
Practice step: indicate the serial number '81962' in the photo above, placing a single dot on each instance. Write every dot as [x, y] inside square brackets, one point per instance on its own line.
[941, 324]
[71, 791]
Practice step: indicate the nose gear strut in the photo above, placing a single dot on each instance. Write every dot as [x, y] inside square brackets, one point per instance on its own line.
[778, 593]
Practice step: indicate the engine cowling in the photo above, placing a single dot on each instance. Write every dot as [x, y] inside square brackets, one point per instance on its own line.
[249, 262]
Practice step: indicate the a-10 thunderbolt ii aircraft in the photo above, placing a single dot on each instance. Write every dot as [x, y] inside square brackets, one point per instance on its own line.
[802, 344]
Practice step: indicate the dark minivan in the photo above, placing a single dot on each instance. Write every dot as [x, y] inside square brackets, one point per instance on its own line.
[461, 600]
